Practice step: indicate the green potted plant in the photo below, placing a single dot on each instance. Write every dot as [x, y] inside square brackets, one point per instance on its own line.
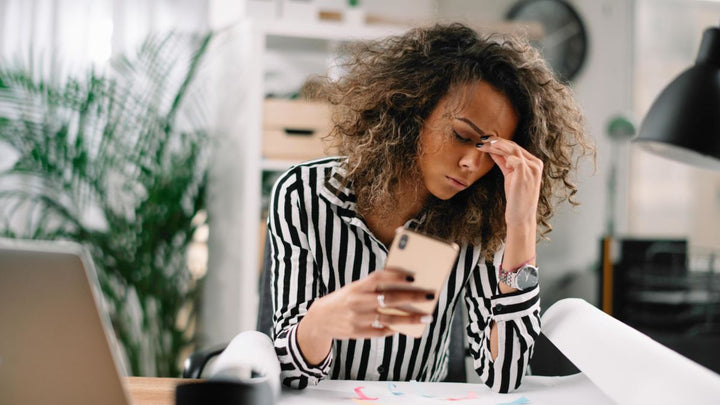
[117, 161]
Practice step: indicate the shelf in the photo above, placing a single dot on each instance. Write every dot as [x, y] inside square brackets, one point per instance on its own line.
[331, 31]
[339, 31]
[277, 165]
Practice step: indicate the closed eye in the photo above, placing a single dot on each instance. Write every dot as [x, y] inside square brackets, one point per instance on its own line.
[461, 138]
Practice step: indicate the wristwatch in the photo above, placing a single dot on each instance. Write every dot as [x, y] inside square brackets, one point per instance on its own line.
[524, 278]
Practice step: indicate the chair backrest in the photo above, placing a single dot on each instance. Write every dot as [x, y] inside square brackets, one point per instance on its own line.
[458, 348]
[265, 307]
[196, 363]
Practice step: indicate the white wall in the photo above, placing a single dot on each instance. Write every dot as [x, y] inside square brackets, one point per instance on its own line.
[229, 296]
[604, 89]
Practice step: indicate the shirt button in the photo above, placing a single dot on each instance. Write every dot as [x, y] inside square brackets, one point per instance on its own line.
[381, 369]
[499, 308]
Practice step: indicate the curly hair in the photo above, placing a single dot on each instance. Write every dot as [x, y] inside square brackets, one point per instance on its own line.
[390, 87]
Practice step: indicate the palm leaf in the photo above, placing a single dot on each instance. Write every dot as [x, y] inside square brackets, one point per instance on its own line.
[102, 160]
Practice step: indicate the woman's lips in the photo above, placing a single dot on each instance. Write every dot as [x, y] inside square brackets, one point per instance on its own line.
[457, 183]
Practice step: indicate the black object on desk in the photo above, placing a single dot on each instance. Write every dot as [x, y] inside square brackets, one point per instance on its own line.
[648, 286]
[224, 392]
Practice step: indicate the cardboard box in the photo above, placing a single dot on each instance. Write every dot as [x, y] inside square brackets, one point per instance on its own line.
[294, 129]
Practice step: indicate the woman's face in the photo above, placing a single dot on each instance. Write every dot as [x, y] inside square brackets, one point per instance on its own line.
[449, 161]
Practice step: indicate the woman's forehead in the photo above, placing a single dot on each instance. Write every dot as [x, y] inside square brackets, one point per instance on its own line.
[463, 96]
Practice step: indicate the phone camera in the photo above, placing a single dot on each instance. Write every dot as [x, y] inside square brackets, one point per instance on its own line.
[403, 242]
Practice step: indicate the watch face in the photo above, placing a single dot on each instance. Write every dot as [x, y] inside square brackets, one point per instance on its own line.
[564, 42]
[527, 277]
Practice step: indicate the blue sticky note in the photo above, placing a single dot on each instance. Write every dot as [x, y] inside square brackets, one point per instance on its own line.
[519, 401]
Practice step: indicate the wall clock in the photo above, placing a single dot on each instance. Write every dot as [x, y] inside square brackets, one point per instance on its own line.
[564, 42]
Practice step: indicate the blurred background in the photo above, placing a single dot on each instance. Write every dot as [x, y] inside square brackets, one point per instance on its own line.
[152, 131]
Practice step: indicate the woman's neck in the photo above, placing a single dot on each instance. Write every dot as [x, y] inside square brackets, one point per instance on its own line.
[410, 202]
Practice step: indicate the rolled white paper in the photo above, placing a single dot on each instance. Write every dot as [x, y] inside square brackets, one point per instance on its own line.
[626, 365]
[248, 352]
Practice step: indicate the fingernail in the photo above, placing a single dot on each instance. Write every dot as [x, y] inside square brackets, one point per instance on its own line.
[479, 145]
[429, 296]
[485, 137]
[426, 319]
[410, 278]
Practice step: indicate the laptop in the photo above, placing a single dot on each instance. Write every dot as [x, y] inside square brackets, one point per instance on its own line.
[56, 345]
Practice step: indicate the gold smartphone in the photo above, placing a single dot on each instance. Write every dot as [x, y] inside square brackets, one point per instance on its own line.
[430, 261]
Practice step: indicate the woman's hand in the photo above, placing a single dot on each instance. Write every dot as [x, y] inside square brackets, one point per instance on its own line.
[351, 312]
[523, 177]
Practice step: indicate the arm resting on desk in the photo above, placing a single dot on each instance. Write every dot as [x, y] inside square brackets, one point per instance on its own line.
[292, 268]
[517, 319]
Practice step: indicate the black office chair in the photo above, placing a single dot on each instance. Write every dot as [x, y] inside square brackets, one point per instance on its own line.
[196, 362]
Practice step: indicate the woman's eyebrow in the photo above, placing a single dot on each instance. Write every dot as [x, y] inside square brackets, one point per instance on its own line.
[472, 125]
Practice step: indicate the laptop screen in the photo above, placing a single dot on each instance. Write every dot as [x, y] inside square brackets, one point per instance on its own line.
[55, 345]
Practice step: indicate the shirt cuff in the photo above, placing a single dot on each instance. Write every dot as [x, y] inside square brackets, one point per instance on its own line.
[314, 373]
[506, 307]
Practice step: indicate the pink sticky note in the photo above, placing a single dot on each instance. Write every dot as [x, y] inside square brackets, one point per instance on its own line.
[361, 395]
[470, 395]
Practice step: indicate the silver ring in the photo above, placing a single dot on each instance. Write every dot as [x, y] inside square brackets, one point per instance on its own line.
[381, 300]
[376, 323]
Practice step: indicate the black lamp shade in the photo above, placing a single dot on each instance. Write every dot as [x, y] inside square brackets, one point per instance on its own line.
[683, 123]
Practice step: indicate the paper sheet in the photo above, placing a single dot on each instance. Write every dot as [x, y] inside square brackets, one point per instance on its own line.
[570, 390]
[627, 365]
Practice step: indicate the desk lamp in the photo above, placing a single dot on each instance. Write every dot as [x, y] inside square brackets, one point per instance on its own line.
[683, 123]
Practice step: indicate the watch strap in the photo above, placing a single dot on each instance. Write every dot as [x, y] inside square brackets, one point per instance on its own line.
[510, 278]
[514, 269]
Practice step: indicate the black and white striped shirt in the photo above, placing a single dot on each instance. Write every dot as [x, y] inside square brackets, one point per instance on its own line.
[319, 244]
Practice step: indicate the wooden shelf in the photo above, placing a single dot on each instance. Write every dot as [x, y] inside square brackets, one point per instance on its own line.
[330, 31]
[277, 165]
[339, 31]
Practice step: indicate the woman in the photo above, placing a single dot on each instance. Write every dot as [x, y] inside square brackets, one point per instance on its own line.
[463, 137]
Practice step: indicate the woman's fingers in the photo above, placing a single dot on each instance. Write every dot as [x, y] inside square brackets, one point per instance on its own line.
[399, 298]
[523, 178]
[508, 155]
[392, 319]
[505, 147]
[364, 307]
[374, 325]
[386, 319]
[371, 301]
[501, 152]
[387, 278]
[499, 146]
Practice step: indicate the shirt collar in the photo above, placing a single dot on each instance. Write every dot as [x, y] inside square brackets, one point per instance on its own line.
[339, 192]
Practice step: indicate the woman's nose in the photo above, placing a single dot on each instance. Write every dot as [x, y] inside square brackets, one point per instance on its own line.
[471, 159]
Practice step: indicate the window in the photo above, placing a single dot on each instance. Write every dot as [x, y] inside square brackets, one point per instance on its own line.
[669, 199]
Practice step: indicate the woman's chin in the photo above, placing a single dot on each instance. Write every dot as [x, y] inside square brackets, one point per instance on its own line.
[444, 194]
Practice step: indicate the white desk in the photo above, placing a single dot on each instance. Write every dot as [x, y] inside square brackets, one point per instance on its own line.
[535, 390]
[571, 390]
[618, 363]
